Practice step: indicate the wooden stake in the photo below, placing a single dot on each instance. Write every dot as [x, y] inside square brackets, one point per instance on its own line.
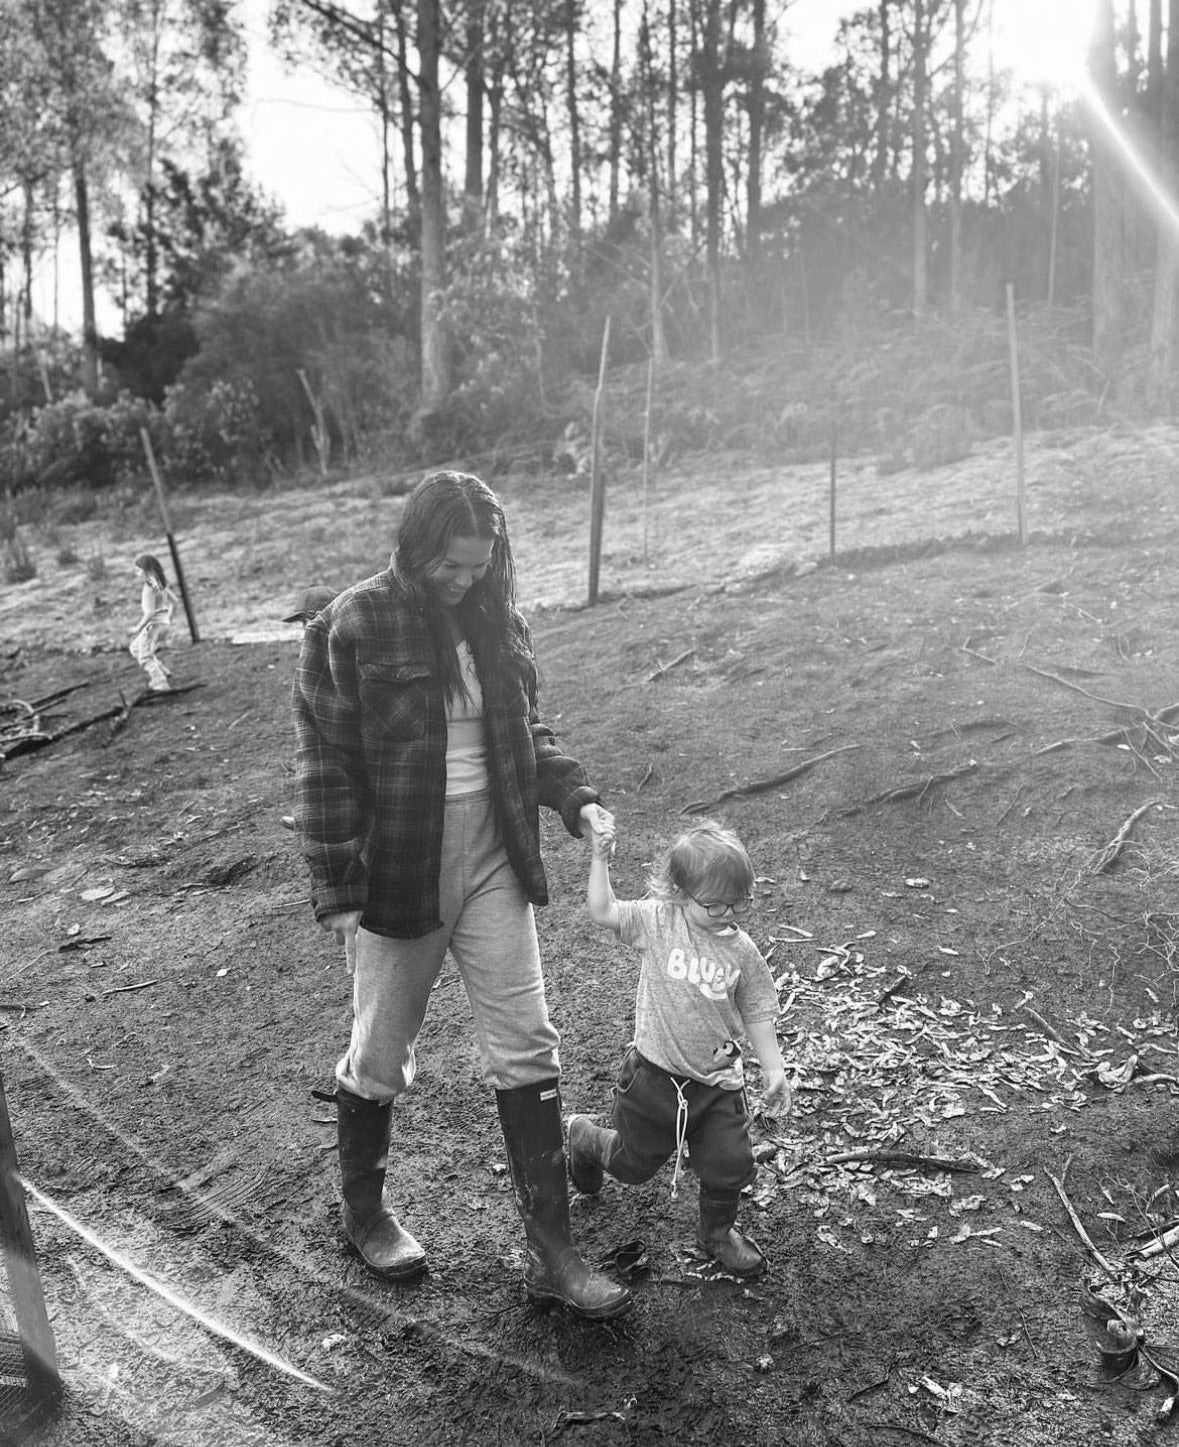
[597, 480]
[162, 500]
[831, 489]
[1017, 419]
[647, 458]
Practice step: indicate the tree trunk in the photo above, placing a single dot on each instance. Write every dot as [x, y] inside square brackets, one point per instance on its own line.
[880, 160]
[957, 157]
[671, 190]
[658, 333]
[473, 176]
[89, 322]
[757, 106]
[919, 164]
[574, 132]
[413, 198]
[1108, 219]
[712, 85]
[435, 343]
[1166, 279]
[616, 110]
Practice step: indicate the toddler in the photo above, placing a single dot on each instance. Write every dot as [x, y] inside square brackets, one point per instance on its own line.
[702, 984]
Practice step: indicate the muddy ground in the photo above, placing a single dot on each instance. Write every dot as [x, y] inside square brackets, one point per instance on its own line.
[931, 744]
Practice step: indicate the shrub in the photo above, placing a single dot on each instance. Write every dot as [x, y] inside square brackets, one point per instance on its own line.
[77, 442]
[216, 434]
[19, 565]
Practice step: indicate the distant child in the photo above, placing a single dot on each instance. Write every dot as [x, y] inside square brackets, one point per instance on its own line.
[703, 983]
[157, 602]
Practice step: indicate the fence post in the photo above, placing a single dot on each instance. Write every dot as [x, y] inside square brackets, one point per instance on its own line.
[1017, 418]
[597, 479]
[160, 498]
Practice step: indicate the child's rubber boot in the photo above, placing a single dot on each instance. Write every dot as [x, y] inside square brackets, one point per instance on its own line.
[717, 1236]
[591, 1148]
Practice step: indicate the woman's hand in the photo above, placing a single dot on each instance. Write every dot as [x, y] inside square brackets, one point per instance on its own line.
[344, 927]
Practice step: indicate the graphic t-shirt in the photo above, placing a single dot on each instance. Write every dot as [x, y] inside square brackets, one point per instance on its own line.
[696, 990]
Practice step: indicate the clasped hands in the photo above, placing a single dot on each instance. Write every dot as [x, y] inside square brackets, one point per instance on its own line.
[596, 822]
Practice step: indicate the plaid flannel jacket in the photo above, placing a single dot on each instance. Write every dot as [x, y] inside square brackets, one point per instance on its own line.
[371, 764]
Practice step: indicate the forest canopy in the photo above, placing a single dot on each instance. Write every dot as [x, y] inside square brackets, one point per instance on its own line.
[775, 253]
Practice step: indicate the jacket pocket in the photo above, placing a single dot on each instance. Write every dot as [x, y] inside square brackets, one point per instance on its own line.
[394, 699]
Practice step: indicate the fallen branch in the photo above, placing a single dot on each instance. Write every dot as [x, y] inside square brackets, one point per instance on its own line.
[1107, 1266]
[911, 791]
[1162, 1243]
[1096, 697]
[667, 667]
[760, 785]
[127, 989]
[1109, 856]
[1043, 1026]
[903, 1158]
[908, 1431]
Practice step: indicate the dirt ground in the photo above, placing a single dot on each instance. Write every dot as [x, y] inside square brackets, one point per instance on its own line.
[952, 759]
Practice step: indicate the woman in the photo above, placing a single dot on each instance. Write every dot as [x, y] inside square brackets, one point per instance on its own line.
[421, 764]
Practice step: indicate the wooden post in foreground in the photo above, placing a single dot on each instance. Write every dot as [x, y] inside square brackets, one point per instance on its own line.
[160, 498]
[647, 460]
[1017, 419]
[831, 488]
[597, 480]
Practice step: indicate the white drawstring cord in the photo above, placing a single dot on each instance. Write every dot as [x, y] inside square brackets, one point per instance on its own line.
[681, 1131]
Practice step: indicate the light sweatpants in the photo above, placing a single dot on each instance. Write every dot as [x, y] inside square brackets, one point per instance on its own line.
[488, 926]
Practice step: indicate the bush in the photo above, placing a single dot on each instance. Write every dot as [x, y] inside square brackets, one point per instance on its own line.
[216, 435]
[77, 442]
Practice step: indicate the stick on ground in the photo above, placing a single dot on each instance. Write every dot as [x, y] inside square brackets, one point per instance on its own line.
[760, 785]
[1113, 851]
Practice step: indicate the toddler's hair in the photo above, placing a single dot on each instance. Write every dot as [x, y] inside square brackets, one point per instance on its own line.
[150, 564]
[707, 861]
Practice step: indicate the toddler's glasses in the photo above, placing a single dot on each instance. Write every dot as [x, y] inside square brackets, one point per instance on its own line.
[716, 910]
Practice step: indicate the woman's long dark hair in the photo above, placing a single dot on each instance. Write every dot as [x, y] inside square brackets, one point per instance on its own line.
[444, 506]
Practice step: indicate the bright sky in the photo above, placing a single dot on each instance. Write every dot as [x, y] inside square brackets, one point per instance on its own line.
[316, 150]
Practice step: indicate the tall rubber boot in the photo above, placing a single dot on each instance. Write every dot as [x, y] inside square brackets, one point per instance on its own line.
[717, 1235]
[157, 679]
[591, 1149]
[530, 1116]
[386, 1248]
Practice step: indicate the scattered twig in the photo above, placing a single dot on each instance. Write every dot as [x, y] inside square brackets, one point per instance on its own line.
[1161, 1243]
[127, 989]
[874, 1386]
[911, 791]
[760, 785]
[1106, 1265]
[568, 1419]
[909, 1431]
[902, 1158]
[667, 667]
[974, 653]
[647, 777]
[1109, 856]
[1045, 1028]
[1096, 697]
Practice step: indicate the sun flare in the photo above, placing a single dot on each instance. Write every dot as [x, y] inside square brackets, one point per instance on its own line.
[1044, 42]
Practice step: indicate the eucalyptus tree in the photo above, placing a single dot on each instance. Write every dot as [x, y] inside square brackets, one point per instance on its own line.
[86, 113]
[1164, 344]
[182, 66]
